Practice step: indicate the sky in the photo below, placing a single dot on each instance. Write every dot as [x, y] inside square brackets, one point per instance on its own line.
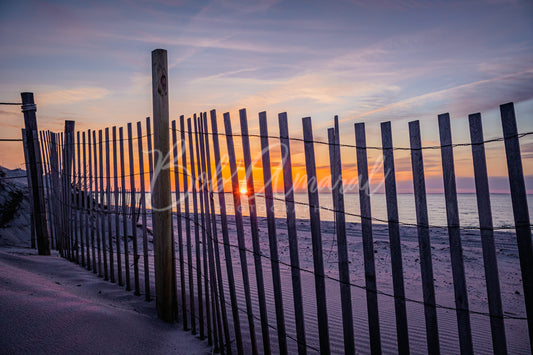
[365, 61]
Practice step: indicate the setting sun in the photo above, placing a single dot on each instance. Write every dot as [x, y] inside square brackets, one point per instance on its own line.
[243, 191]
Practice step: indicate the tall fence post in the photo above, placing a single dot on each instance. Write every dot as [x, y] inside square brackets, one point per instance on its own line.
[36, 172]
[161, 197]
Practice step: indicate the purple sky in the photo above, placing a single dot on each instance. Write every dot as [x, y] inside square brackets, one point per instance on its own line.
[365, 61]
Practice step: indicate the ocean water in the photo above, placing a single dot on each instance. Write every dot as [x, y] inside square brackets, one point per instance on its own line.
[501, 206]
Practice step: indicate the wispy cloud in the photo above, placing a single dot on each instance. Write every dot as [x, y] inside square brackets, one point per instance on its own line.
[70, 96]
[516, 86]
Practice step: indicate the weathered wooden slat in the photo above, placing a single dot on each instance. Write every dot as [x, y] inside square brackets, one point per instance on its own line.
[316, 236]
[71, 191]
[59, 191]
[65, 202]
[101, 212]
[520, 207]
[342, 251]
[62, 199]
[368, 240]
[36, 172]
[46, 181]
[209, 263]
[133, 216]
[116, 159]
[86, 201]
[149, 140]
[196, 233]
[70, 152]
[72, 198]
[51, 199]
[218, 261]
[250, 193]
[426, 265]
[203, 248]
[73, 202]
[218, 335]
[72, 194]
[51, 192]
[108, 207]
[28, 176]
[96, 207]
[149, 146]
[216, 278]
[402, 333]
[225, 236]
[70, 204]
[143, 212]
[25, 138]
[53, 196]
[240, 229]
[272, 237]
[124, 208]
[77, 195]
[490, 261]
[47, 185]
[64, 210]
[291, 230]
[456, 249]
[53, 179]
[59, 170]
[187, 224]
[64, 186]
[68, 155]
[92, 182]
[55, 186]
[59, 196]
[175, 163]
[42, 152]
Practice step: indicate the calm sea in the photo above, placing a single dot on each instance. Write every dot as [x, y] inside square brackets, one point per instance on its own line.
[502, 211]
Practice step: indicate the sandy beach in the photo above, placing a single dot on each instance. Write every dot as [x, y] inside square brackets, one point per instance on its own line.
[39, 295]
[510, 280]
